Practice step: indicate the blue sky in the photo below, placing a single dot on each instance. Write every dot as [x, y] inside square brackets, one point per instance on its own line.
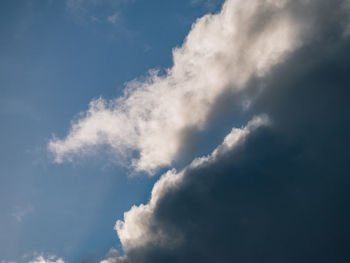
[54, 60]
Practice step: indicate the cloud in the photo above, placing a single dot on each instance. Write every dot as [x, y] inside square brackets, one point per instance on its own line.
[95, 11]
[277, 189]
[40, 258]
[113, 256]
[222, 53]
[48, 259]
[113, 19]
[139, 223]
[278, 193]
[274, 192]
[20, 212]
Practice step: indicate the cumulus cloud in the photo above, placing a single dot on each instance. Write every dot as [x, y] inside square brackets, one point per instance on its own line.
[222, 52]
[138, 226]
[274, 191]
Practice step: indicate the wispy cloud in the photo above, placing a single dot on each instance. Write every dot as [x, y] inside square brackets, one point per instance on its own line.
[92, 11]
[37, 257]
[19, 212]
[46, 259]
[114, 19]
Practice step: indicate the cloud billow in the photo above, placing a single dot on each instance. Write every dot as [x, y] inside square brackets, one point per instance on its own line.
[221, 53]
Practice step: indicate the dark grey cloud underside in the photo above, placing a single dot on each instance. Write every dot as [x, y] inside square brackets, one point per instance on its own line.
[284, 195]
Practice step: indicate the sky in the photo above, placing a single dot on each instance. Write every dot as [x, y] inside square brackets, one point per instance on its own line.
[174, 131]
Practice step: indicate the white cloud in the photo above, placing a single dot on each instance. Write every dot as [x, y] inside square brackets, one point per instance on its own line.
[112, 257]
[48, 259]
[221, 52]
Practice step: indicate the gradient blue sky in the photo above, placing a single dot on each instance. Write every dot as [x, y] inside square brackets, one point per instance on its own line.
[56, 56]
